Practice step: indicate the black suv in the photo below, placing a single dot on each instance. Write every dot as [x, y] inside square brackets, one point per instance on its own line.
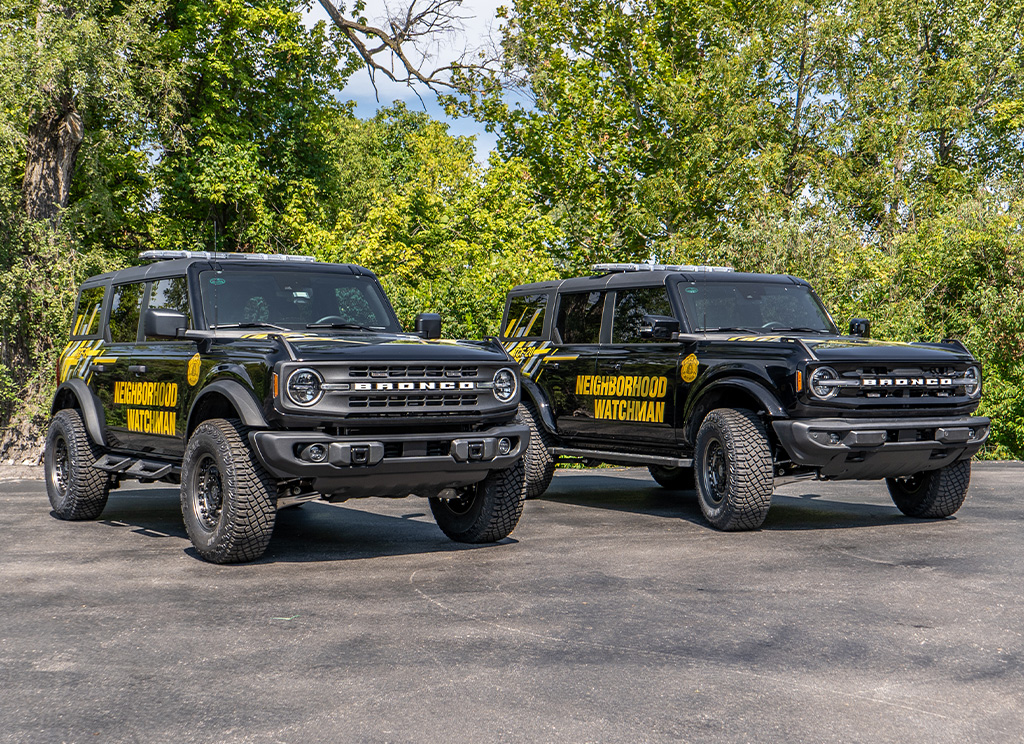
[725, 382]
[260, 382]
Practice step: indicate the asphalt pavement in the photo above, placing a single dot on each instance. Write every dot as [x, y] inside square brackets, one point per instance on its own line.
[612, 614]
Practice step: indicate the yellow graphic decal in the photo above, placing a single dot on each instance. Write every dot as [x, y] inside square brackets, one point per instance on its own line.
[755, 338]
[621, 386]
[152, 422]
[160, 394]
[630, 410]
[688, 369]
[194, 365]
[78, 357]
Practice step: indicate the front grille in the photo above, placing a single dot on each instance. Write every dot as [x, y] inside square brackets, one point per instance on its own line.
[454, 400]
[900, 385]
[431, 371]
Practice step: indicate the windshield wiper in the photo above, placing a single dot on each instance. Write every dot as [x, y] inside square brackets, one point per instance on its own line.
[252, 324]
[727, 328]
[796, 329]
[346, 326]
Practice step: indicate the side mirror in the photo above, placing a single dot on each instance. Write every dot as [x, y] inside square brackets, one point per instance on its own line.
[163, 323]
[860, 327]
[659, 327]
[428, 325]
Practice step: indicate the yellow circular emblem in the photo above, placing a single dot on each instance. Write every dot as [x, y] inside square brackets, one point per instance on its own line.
[193, 369]
[688, 369]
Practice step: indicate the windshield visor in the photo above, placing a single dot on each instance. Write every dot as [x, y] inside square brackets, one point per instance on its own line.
[294, 299]
[753, 307]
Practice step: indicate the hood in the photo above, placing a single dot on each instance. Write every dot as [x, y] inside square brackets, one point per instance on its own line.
[376, 347]
[853, 349]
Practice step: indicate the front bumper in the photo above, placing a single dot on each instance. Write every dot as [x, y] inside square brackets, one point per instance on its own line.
[848, 449]
[392, 464]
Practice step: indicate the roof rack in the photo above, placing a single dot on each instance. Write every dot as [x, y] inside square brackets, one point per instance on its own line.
[616, 267]
[223, 256]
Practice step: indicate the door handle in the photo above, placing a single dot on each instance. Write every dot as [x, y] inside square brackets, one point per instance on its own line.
[613, 367]
[99, 368]
[139, 369]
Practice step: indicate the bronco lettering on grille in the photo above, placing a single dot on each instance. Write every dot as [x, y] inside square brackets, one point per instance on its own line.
[400, 386]
[906, 381]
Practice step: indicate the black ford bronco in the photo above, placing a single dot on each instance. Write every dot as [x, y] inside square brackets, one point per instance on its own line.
[259, 382]
[728, 383]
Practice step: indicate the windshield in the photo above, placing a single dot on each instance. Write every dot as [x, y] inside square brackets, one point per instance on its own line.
[289, 299]
[753, 307]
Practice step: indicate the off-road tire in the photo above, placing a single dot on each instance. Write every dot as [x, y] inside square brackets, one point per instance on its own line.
[733, 467]
[488, 511]
[539, 462]
[674, 479]
[227, 499]
[76, 489]
[933, 494]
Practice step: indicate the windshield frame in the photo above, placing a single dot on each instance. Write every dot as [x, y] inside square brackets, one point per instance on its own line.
[311, 273]
[770, 282]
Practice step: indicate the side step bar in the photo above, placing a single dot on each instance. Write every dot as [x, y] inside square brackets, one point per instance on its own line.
[616, 458]
[130, 467]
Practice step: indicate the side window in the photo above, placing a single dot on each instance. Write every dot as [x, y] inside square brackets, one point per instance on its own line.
[526, 316]
[124, 313]
[88, 312]
[170, 294]
[579, 317]
[633, 308]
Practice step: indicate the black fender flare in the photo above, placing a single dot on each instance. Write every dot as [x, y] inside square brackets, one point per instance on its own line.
[243, 400]
[768, 400]
[540, 401]
[88, 404]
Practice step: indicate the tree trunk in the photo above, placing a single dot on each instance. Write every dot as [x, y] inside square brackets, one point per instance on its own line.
[53, 145]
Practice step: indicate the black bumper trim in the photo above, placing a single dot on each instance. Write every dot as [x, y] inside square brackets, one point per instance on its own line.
[470, 457]
[847, 449]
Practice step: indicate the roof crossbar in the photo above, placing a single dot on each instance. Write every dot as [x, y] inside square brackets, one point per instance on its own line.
[620, 267]
[223, 256]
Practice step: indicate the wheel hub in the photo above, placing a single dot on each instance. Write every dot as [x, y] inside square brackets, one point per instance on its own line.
[208, 493]
[716, 471]
[61, 466]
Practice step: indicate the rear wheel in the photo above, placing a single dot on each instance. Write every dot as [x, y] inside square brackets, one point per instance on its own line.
[76, 489]
[674, 479]
[538, 460]
[487, 511]
[733, 468]
[933, 494]
[227, 499]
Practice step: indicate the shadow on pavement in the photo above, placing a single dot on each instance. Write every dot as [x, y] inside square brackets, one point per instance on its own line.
[790, 510]
[313, 532]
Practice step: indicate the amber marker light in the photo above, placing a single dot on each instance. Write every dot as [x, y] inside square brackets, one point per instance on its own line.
[275, 384]
[799, 381]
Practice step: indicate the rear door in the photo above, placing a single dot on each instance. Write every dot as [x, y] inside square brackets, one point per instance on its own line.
[113, 378]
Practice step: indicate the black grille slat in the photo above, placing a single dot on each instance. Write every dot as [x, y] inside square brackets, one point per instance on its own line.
[412, 401]
[403, 371]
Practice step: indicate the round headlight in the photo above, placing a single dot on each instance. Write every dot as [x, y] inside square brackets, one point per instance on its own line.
[305, 387]
[505, 384]
[816, 383]
[972, 386]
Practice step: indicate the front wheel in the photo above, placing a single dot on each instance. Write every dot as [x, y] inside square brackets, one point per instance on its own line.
[487, 511]
[538, 460]
[933, 494]
[733, 468]
[75, 488]
[227, 499]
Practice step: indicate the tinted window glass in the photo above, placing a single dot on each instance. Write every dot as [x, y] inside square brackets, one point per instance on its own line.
[170, 294]
[293, 299]
[124, 313]
[579, 317]
[526, 316]
[633, 308]
[88, 312]
[753, 307]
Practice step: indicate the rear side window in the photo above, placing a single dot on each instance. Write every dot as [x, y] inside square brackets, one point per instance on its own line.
[526, 316]
[124, 313]
[579, 317]
[88, 312]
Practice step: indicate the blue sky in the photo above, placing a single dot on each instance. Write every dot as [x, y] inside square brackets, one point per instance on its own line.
[479, 24]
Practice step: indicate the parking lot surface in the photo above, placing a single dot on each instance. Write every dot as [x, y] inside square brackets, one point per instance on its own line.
[612, 614]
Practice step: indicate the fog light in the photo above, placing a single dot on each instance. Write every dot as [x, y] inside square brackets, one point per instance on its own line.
[315, 453]
[504, 446]
[835, 438]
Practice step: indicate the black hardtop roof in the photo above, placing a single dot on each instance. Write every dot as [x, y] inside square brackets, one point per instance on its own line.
[179, 267]
[655, 278]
